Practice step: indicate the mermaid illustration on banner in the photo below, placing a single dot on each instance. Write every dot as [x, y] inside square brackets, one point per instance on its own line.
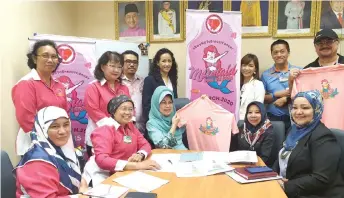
[74, 103]
[211, 58]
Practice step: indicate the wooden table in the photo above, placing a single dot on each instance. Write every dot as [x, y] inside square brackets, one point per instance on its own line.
[214, 186]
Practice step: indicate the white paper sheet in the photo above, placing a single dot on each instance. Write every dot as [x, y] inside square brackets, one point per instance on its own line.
[201, 168]
[140, 181]
[106, 191]
[242, 180]
[167, 162]
[243, 157]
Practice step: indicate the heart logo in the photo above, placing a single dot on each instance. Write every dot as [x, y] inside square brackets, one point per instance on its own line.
[214, 23]
[65, 53]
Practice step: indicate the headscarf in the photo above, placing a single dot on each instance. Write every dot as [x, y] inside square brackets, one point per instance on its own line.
[115, 102]
[297, 132]
[43, 150]
[156, 119]
[253, 133]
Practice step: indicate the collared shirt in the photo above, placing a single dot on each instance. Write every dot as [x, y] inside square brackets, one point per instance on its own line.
[275, 81]
[316, 62]
[29, 95]
[135, 87]
[97, 96]
[110, 149]
[137, 31]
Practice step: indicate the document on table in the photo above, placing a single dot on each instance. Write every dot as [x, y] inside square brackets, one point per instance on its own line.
[140, 181]
[243, 157]
[106, 191]
[201, 168]
[242, 180]
[167, 162]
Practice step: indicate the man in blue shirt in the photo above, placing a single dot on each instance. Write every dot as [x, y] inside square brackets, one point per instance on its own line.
[275, 80]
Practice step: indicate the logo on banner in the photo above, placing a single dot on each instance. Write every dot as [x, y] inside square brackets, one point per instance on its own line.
[328, 92]
[209, 128]
[67, 53]
[214, 23]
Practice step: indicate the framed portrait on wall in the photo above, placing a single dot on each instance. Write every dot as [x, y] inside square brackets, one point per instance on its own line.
[257, 17]
[294, 18]
[330, 14]
[167, 21]
[131, 22]
[212, 5]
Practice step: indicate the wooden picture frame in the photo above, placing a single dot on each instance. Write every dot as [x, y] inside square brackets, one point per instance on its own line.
[160, 30]
[260, 26]
[123, 31]
[211, 4]
[286, 22]
[326, 17]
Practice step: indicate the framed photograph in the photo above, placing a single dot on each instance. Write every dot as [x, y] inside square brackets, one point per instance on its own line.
[257, 17]
[167, 21]
[130, 21]
[330, 14]
[294, 18]
[212, 5]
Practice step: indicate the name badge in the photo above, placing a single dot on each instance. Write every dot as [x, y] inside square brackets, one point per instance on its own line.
[283, 79]
[127, 139]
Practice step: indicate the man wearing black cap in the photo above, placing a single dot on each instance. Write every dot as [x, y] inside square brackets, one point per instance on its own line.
[326, 44]
[131, 19]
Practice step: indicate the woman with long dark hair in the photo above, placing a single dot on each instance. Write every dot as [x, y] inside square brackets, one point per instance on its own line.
[252, 89]
[163, 72]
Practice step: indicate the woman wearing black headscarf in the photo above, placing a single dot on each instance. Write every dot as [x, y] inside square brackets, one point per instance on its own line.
[256, 134]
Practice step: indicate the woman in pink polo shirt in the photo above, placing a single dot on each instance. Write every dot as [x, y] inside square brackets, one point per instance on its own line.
[119, 146]
[108, 84]
[37, 90]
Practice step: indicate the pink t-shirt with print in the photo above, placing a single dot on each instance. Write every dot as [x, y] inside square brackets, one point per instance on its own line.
[329, 81]
[208, 125]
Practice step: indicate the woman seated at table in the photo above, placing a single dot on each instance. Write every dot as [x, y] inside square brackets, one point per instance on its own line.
[122, 146]
[310, 155]
[163, 122]
[256, 134]
[49, 168]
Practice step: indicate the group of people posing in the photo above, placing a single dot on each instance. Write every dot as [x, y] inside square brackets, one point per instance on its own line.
[128, 115]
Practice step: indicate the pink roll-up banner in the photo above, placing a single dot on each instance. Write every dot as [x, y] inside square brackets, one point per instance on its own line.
[75, 72]
[213, 57]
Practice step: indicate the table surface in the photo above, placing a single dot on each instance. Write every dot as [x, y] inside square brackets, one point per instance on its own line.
[214, 186]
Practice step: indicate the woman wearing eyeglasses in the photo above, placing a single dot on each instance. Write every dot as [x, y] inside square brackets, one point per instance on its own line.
[108, 84]
[37, 90]
[119, 146]
[163, 121]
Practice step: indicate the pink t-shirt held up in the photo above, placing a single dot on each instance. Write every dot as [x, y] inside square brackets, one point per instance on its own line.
[208, 125]
[329, 81]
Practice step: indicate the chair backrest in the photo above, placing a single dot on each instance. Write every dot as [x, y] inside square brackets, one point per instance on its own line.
[279, 130]
[340, 138]
[181, 102]
[8, 182]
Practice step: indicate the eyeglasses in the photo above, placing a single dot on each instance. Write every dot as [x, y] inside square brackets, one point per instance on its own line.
[126, 109]
[325, 42]
[115, 67]
[53, 57]
[134, 62]
[166, 103]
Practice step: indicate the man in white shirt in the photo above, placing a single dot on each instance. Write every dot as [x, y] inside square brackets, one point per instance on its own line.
[135, 85]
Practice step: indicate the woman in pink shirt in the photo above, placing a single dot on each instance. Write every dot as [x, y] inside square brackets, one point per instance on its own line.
[49, 169]
[37, 90]
[108, 84]
[120, 146]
